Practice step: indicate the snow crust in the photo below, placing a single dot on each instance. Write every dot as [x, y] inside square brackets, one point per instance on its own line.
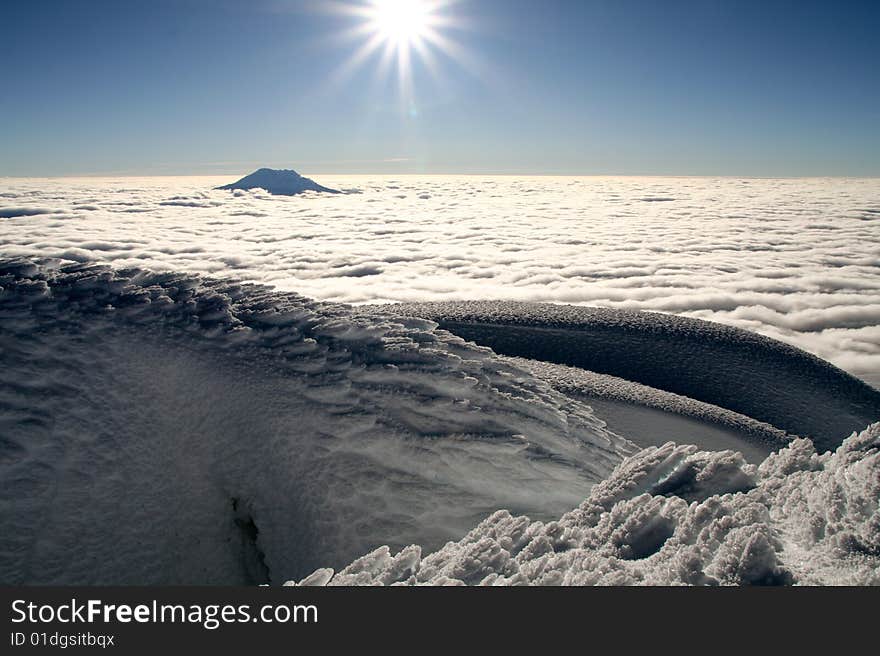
[674, 515]
[165, 428]
[751, 374]
[589, 385]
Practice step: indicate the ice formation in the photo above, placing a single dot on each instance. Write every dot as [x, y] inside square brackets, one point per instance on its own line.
[168, 428]
[589, 386]
[163, 428]
[280, 182]
[728, 367]
[673, 515]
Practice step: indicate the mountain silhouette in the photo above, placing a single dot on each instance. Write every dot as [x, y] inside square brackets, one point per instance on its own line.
[280, 182]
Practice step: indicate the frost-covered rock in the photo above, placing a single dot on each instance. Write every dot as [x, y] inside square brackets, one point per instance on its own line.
[674, 515]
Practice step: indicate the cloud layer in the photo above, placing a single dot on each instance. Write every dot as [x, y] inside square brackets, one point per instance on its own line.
[797, 259]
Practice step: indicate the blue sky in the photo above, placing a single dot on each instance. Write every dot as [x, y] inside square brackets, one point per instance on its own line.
[704, 87]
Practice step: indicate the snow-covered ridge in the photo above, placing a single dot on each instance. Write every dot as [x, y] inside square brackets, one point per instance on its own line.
[674, 516]
[589, 385]
[725, 366]
[164, 428]
[280, 182]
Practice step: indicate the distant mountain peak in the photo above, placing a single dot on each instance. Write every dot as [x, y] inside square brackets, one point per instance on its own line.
[280, 182]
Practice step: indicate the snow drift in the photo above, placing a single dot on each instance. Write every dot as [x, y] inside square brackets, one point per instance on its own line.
[167, 428]
[674, 515]
[652, 417]
[728, 367]
[162, 428]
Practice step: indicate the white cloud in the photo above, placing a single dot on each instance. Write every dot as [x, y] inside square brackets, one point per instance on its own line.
[794, 259]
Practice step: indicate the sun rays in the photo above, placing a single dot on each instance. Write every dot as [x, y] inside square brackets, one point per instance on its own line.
[398, 33]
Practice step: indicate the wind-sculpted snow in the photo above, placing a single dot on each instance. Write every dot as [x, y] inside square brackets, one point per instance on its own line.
[674, 515]
[795, 259]
[166, 428]
[641, 407]
[742, 371]
[189, 426]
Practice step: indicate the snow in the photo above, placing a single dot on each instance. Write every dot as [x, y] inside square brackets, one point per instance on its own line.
[719, 365]
[283, 182]
[612, 392]
[163, 428]
[184, 399]
[674, 515]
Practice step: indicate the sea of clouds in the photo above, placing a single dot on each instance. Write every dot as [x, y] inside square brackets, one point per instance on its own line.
[794, 259]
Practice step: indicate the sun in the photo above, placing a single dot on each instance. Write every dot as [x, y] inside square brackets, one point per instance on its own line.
[404, 34]
[401, 22]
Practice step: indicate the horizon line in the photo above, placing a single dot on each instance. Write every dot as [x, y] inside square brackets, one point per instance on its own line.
[128, 174]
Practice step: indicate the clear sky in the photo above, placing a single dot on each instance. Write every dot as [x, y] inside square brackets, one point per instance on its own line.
[705, 87]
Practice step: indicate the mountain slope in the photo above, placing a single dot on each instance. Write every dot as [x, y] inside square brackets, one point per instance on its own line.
[279, 182]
